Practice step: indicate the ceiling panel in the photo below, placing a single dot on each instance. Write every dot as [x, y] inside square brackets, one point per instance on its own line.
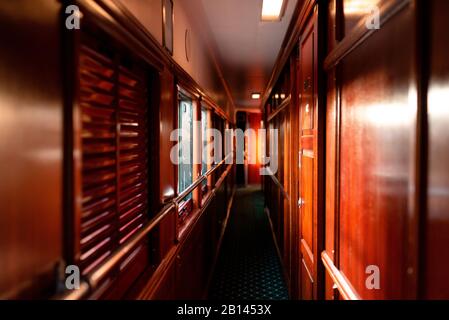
[246, 47]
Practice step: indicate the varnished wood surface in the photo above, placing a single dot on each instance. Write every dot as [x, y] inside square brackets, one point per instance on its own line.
[32, 144]
[435, 281]
[332, 174]
[379, 209]
[31, 149]
[386, 156]
[377, 157]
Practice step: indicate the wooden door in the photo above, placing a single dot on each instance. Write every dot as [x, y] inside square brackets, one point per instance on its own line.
[254, 177]
[307, 203]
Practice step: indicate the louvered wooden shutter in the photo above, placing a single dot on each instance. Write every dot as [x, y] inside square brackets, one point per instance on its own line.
[114, 133]
[133, 152]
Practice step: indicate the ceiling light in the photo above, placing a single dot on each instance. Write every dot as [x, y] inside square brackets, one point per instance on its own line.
[272, 10]
[282, 96]
[255, 96]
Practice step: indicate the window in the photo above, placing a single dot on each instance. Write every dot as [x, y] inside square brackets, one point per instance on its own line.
[219, 146]
[205, 154]
[185, 167]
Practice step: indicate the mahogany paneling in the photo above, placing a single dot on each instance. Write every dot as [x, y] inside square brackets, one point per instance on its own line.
[191, 261]
[379, 209]
[167, 172]
[332, 24]
[435, 258]
[281, 212]
[287, 181]
[185, 270]
[298, 122]
[167, 120]
[310, 221]
[298, 21]
[105, 148]
[332, 157]
[31, 148]
[356, 10]
[294, 167]
[167, 286]
[378, 123]
[306, 288]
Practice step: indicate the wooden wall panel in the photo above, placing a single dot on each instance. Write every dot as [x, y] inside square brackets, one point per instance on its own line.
[332, 143]
[287, 174]
[190, 265]
[166, 289]
[31, 149]
[167, 171]
[293, 158]
[435, 281]
[310, 177]
[167, 125]
[386, 150]
[377, 157]
[331, 24]
[356, 10]
[37, 145]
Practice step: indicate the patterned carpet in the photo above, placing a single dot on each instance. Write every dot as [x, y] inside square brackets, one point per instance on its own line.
[248, 267]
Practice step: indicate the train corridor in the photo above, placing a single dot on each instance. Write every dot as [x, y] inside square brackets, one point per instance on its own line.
[127, 128]
[248, 266]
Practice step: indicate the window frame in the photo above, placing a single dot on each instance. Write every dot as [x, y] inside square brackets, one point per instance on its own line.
[207, 183]
[187, 206]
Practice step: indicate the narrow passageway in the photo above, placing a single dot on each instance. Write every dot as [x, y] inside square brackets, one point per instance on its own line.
[248, 267]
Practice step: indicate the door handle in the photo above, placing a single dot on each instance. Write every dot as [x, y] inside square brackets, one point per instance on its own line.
[301, 203]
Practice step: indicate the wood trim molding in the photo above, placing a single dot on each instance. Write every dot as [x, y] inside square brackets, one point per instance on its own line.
[211, 103]
[299, 19]
[361, 33]
[344, 287]
[116, 19]
[155, 280]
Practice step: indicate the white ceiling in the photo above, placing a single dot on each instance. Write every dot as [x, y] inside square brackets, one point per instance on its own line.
[246, 47]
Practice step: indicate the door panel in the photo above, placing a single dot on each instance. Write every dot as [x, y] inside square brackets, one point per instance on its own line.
[307, 198]
[254, 177]
[378, 125]
[436, 229]
[308, 141]
[307, 282]
[307, 52]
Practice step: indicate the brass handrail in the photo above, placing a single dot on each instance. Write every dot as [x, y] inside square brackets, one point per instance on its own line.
[200, 179]
[278, 184]
[94, 278]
